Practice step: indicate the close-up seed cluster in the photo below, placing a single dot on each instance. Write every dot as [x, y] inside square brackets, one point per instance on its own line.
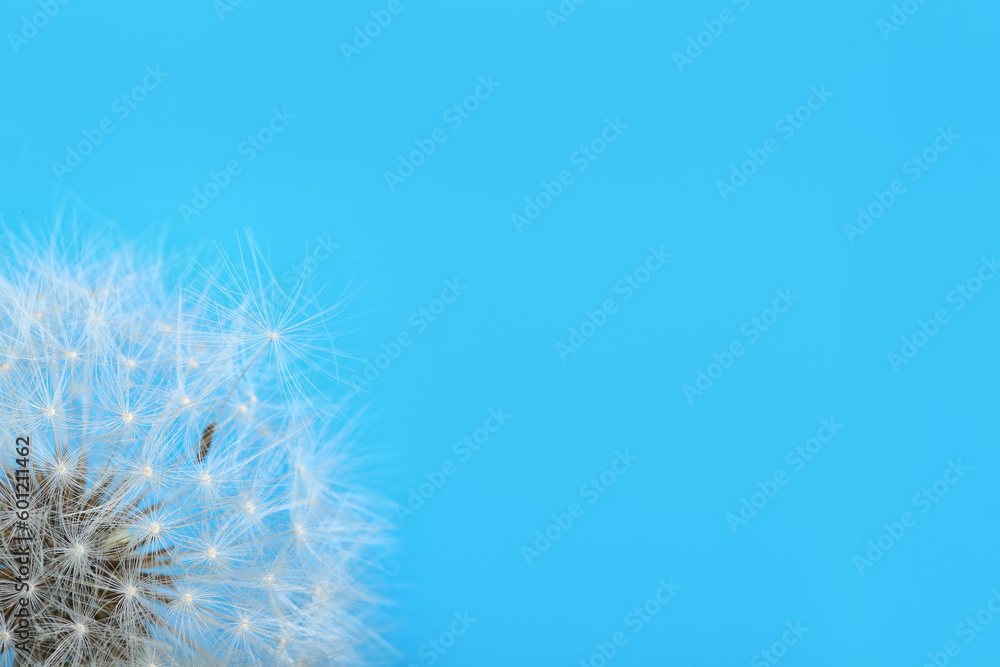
[190, 494]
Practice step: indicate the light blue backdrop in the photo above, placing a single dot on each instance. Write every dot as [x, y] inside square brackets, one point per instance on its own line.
[737, 137]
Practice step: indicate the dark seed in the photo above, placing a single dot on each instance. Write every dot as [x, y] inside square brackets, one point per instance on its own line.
[206, 442]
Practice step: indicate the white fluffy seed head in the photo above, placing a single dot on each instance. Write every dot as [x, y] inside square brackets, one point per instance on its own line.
[168, 432]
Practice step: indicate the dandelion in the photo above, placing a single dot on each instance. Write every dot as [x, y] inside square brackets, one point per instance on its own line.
[188, 502]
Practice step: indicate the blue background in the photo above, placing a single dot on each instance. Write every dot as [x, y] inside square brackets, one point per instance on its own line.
[495, 346]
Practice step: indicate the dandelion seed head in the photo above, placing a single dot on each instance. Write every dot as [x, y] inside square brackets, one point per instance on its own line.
[168, 419]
